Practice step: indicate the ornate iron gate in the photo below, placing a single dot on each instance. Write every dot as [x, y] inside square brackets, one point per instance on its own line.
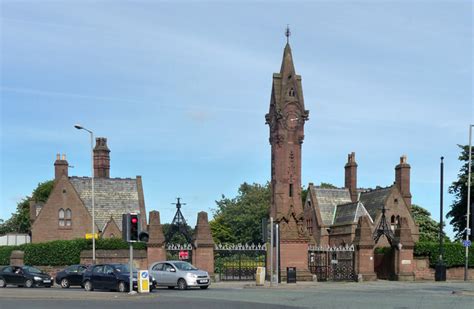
[237, 262]
[179, 252]
[332, 263]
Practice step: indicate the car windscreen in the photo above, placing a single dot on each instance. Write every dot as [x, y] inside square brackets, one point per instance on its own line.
[32, 270]
[184, 266]
[123, 268]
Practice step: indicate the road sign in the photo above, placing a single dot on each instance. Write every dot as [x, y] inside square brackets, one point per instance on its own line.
[466, 243]
[89, 236]
[183, 255]
[143, 281]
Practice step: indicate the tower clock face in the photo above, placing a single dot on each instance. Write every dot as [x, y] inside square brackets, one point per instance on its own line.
[292, 120]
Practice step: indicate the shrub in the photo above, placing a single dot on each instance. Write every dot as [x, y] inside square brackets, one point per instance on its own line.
[454, 253]
[62, 252]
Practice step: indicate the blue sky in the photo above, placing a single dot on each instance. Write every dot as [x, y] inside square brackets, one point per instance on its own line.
[180, 89]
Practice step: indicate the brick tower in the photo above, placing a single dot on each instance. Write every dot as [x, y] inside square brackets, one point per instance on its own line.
[286, 120]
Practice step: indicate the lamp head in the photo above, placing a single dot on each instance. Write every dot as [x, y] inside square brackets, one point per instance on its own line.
[78, 126]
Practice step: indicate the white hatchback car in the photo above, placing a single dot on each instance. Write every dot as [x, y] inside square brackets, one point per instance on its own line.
[179, 274]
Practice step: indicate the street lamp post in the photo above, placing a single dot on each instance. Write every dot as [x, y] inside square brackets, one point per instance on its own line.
[468, 230]
[79, 127]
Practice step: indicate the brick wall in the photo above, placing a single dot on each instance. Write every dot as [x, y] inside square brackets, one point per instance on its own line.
[423, 271]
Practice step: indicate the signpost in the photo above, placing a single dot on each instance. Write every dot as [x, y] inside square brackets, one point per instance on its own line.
[466, 243]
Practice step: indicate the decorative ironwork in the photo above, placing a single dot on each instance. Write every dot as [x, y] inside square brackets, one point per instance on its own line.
[239, 262]
[241, 247]
[384, 229]
[175, 252]
[332, 263]
[178, 225]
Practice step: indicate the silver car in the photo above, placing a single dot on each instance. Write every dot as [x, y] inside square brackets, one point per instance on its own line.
[180, 274]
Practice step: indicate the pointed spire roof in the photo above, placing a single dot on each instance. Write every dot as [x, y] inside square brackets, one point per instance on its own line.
[287, 66]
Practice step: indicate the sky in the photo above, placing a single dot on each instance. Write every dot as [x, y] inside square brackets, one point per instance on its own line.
[180, 89]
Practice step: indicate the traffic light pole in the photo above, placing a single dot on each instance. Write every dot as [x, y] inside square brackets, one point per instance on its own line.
[130, 286]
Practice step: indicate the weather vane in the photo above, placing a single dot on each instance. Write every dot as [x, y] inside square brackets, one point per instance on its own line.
[287, 34]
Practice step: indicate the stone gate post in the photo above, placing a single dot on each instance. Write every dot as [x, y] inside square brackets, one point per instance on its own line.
[403, 259]
[203, 245]
[156, 250]
[364, 256]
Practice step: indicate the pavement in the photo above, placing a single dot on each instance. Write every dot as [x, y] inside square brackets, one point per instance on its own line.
[340, 295]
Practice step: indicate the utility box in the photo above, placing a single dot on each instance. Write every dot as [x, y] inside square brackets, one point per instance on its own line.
[143, 281]
[440, 272]
[291, 275]
[260, 276]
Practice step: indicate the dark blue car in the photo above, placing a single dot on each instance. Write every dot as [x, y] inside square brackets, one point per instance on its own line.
[71, 276]
[110, 277]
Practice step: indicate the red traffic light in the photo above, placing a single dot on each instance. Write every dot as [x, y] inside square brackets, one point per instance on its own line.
[134, 220]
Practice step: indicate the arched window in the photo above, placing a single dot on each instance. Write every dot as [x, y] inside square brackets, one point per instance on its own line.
[68, 217]
[291, 93]
[398, 220]
[392, 220]
[61, 217]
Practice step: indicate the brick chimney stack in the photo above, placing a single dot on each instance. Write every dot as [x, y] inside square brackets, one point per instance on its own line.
[101, 158]
[60, 166]
[351, 176]
[402, 179]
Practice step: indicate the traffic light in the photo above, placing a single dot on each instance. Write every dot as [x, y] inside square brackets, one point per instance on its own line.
[131, 228]
[134, 226]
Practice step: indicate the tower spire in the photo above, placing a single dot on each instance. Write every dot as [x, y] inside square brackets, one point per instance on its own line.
[287, 33]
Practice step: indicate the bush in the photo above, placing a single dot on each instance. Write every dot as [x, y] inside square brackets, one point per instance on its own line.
[62, 252]
[454, 253]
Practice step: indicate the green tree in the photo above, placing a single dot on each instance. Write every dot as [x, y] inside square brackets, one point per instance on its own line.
[177, 238]
[457, 214]
[238, 220]
[326, 185]
[19, 222]
[429, 228]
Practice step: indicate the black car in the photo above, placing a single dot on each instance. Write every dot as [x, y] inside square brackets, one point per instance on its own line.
[108, 277]
[71, 276]
[24, 276]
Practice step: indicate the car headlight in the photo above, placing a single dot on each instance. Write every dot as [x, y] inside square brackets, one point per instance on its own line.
[192, 275]
[38, 278]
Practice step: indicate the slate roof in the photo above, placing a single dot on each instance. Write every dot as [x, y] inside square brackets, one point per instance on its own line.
[374, 200]
[349, 213]
[112, 197]
[328, 199]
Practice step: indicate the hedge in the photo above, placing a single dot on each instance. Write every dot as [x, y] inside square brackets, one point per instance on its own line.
[454, 253]
[62, 252]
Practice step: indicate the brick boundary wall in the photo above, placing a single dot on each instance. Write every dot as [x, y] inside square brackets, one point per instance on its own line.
[423, 271]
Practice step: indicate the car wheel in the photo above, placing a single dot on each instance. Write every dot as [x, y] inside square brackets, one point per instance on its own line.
[182, 285]
[204, 287]
[2, 283]
[122, 288]
[29, 283]
[171, 287]
[88, 286]
[64, 283]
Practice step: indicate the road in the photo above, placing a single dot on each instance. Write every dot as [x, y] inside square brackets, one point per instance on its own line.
[381, 294]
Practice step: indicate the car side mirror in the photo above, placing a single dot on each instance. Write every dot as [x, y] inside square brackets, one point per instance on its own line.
[172, 270]
[110, 273]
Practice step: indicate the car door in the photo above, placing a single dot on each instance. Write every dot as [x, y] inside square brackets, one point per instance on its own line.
[78, 275]
[169, 275]
[17, 276]
[96, 277]
[109, 278]
[157, 273]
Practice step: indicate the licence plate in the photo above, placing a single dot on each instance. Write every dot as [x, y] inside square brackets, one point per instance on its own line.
[47, 281]
[203, 281]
